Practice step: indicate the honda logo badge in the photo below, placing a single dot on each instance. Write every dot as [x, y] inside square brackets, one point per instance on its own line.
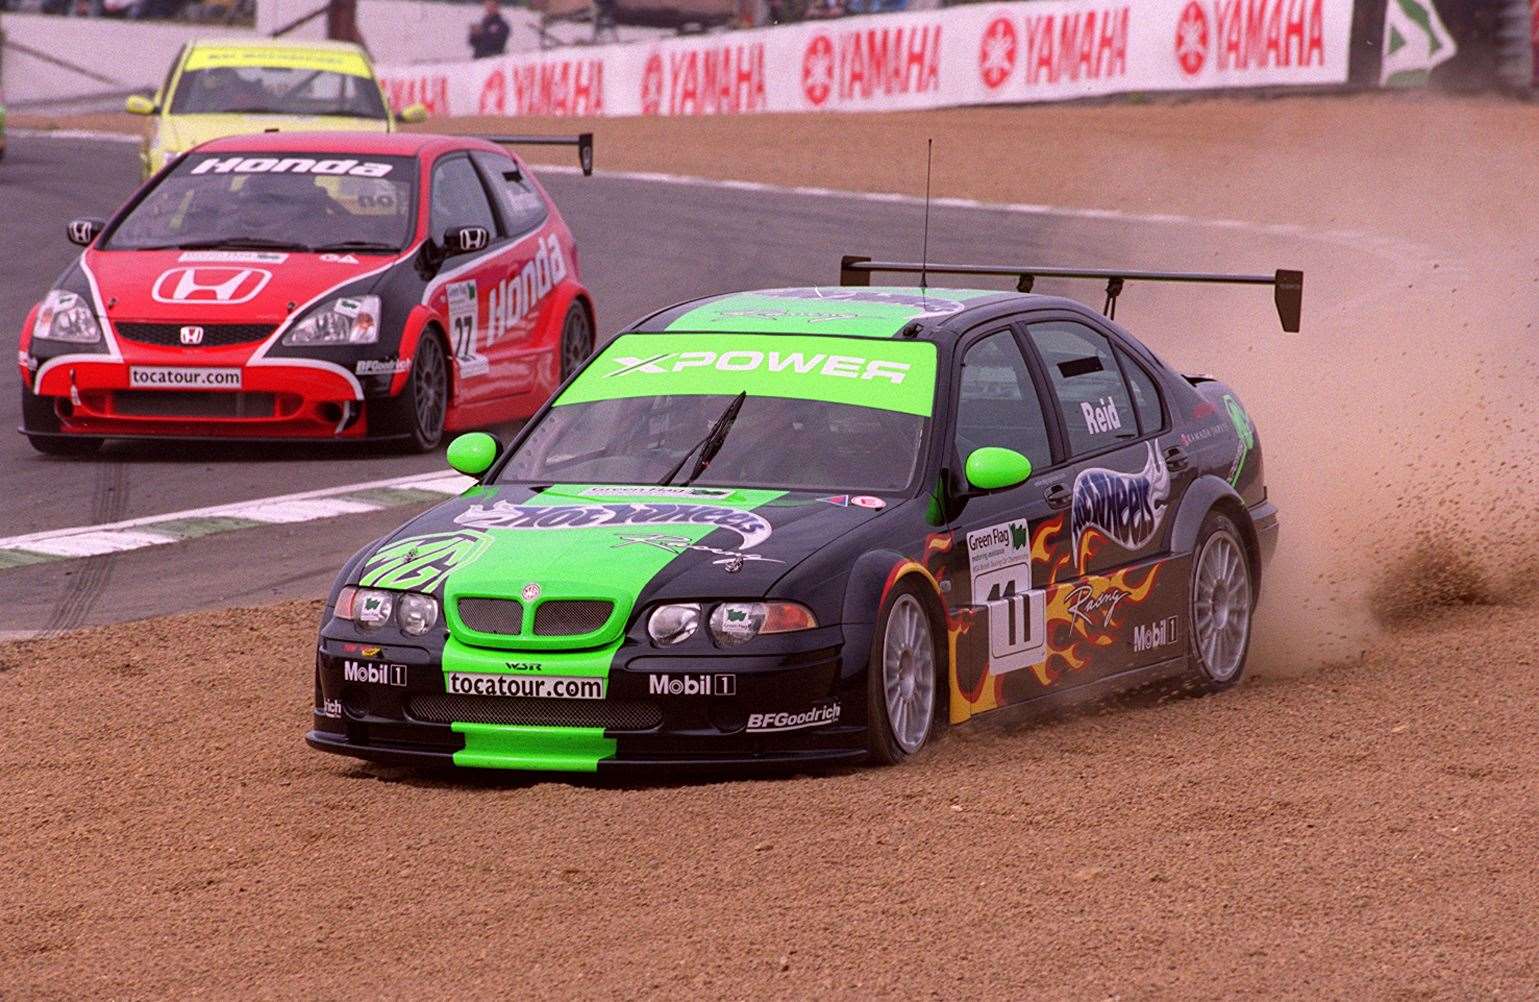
[222, 286]
[192, 335]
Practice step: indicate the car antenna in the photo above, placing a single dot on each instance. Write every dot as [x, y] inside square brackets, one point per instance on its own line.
[924, 251]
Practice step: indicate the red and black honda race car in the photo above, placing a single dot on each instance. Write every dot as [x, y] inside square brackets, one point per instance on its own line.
[321, 286]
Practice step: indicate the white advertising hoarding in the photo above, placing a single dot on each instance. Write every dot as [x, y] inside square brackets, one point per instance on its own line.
[1046, 50]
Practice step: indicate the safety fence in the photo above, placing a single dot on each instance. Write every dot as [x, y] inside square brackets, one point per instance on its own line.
[975, 54]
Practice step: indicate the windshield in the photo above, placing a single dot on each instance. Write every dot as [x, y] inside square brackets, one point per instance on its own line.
[803, 413]
[276, 90]
[294, 201]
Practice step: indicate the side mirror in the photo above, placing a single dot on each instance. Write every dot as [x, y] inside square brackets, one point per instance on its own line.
[84, 231]
[412, 114]
[138, 104]
[992, 469]
[473, 453]
[464, 239]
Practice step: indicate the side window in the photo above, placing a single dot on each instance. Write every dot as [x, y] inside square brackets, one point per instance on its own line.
[1097, 410]
[1146, 396]
[458, 198]
[519, 204]
[997, 402]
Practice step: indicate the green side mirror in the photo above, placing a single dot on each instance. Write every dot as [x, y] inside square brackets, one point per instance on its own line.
[473, 453]
[138, 104]
[412, 114]
[992, 468]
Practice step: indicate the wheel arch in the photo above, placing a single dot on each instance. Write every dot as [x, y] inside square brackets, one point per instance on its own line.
[873, 579]
[1209, 494]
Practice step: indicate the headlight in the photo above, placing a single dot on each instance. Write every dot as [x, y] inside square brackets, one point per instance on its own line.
[417, 613]
[349, 320]
[64, 316]
[734, 623]
[414, 612]
[673, 624]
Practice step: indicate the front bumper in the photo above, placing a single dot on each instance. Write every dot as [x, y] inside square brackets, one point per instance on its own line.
[779, 709]
[274, 401]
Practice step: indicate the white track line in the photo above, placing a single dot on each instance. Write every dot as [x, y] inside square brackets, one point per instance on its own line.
[305, 506]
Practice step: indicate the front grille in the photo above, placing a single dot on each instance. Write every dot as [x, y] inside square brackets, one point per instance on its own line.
[492, 615]
[613, 715]
[559, 618]
[214, 335]
[193, 403]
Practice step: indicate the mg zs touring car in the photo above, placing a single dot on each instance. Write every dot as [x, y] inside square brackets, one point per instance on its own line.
[225, 87]
[806, 525]
[330, 286]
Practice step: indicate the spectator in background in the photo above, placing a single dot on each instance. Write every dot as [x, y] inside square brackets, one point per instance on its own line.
[489, 37]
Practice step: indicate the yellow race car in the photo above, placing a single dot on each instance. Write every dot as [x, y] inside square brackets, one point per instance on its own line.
[228, 87]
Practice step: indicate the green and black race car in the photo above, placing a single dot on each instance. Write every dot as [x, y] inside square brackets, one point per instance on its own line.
[807, 525]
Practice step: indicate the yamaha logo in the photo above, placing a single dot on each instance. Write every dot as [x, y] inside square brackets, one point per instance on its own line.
[191, 335]
[210, 286]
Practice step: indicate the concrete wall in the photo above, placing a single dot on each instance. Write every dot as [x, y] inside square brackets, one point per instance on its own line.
[404, 31]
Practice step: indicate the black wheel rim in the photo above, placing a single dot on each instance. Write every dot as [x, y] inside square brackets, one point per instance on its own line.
[576, 340]
[430, 389]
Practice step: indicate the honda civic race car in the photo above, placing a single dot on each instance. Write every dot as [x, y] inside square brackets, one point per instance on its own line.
[225, 87]
[809, 525]
[322, 286]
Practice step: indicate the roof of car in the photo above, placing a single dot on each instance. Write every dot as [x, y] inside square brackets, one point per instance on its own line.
[299, 44]
[862, 311]
[380, 144]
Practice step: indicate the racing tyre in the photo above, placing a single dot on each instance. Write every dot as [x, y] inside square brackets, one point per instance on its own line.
[37, 415]
[1223, 605]
[576, 340]
[418, 413]
[903, 683]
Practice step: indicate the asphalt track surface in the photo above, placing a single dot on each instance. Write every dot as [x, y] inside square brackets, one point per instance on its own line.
[644, 245]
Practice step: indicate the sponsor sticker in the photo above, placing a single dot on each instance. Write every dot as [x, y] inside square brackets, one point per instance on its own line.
[820, 714]
[331, 708]
[175, 377]
[656, 491]
[999, 561]
[511, 304]
[525, 686]
[692, 685]
[382, 367]
[232, 257]
[865, 372]
[373, 673]
[1161, 633]
[292, 165]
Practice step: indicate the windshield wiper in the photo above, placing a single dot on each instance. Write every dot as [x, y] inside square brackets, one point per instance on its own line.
[710, 445]
[356, 245]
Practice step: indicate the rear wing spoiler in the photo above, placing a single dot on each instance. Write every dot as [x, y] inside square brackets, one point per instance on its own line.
[583, 141]
[1288, 286]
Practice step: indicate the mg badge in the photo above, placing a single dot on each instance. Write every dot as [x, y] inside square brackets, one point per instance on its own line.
[192, 335]
[531, 592]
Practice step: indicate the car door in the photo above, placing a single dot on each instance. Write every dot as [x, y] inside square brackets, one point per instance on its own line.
[466, 281]
[530, 263]
[1117, 590]
[1001, 598]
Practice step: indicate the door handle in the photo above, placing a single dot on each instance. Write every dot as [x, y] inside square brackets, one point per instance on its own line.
[1057, 496]
[1176, 458]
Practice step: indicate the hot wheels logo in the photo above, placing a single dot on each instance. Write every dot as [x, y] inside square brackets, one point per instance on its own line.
[753, 529]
